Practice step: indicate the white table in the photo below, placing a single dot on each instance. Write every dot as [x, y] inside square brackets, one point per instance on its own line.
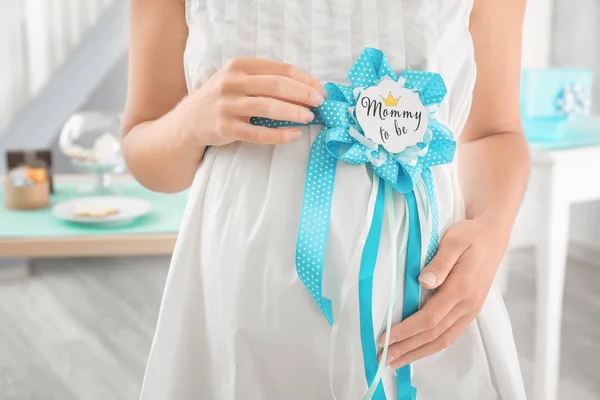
[561, 178]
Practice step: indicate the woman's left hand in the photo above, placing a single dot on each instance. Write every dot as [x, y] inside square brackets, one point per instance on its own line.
[463, 269]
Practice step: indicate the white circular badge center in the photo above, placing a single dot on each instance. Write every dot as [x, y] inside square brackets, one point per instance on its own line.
[392, 116]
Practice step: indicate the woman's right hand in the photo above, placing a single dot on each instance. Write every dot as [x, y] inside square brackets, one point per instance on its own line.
[219, 111]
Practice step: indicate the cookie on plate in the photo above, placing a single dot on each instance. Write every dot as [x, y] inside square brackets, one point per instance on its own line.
[94, 210]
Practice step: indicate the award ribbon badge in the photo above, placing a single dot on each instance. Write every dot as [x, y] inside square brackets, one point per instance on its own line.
[388, 123]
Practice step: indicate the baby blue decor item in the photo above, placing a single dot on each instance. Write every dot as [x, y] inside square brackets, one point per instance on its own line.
[551, 99]
[582, 132]
[388, 123]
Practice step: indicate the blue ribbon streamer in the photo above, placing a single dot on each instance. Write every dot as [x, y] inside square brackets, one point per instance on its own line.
[412, 290]
[405, 391]
[434, 240]
[342, 138]
[314, 223]
[365, 292]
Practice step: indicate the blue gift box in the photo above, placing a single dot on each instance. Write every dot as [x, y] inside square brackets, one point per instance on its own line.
[551, 98]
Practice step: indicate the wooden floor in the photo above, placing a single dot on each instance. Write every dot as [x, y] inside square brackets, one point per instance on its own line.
[81, 329]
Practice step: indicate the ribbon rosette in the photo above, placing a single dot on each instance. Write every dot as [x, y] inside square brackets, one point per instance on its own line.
[343, 138]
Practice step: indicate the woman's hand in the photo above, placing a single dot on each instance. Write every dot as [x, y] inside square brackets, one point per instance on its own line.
[493, 171]
[165, 137]
[219, 111]
[463, 270]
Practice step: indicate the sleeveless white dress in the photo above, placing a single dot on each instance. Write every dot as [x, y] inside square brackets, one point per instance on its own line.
[236, 322]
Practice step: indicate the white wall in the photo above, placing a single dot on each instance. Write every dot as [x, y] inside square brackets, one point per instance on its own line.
[111, 93]
[537, 33]
[576, 42]
[576, 38]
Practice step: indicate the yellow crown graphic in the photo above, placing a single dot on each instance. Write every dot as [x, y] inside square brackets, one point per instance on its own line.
[390, 100]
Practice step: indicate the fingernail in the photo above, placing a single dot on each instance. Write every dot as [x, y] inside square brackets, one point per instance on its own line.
[389, 359]
[323, 91]
[317, 99]
[428, 278]
[399, 364]
[309, 116]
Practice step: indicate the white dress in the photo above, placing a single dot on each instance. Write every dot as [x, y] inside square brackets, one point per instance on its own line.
[236, 322]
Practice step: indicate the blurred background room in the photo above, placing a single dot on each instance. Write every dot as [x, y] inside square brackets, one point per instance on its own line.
[84, 250]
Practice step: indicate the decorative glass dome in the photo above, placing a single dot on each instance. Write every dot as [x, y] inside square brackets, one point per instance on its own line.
[91, 141]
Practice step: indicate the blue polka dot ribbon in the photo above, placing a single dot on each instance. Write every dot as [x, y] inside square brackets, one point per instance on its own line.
[342, 138]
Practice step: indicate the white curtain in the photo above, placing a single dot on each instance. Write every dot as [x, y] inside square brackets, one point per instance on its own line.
[13, 82]
[36, 37]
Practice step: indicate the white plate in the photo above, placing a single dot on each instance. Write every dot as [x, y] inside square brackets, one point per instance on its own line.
[129, 208]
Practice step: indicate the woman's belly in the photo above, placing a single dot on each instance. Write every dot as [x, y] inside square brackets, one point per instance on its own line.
[255, 302]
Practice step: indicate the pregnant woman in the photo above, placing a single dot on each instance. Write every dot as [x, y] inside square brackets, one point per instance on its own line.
[230, 98]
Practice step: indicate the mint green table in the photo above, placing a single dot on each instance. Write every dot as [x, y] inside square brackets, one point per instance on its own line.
[39, 234]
